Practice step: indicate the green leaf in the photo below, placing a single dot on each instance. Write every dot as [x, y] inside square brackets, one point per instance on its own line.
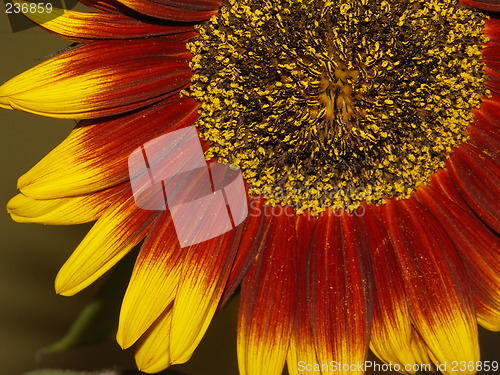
[98, 321]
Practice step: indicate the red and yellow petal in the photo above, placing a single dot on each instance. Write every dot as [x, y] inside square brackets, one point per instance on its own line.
[391, 335]
[85, 27]
[63, 211]
[338, 293]
[122, 226]
[439, 298]
[101, 79]
[94, 156]
[479, 249]
[268, 300]
[153, 282]
[301, 358]
[204, 273]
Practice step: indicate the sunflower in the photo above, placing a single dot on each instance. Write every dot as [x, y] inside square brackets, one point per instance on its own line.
[366, 133]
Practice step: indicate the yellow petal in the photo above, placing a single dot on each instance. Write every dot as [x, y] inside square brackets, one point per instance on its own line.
[421, 352]
[120, 228]
[204, 274]
[153, 353]
[57, 174]
[301, 356]
[63, 211]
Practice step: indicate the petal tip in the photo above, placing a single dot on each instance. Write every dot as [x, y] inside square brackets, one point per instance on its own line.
[151, 361]
[123, 335]
[149, 366]
[63, 291]
[64, 286]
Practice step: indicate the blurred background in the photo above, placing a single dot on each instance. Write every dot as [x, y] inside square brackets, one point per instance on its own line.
[32, 316]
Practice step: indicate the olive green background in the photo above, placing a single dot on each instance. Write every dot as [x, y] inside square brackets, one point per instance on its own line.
[32, 316]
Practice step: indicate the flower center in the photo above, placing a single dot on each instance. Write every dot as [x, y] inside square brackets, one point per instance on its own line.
[331, 103]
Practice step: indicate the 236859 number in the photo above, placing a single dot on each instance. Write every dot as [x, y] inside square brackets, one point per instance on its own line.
[28, 8]
[463, 366]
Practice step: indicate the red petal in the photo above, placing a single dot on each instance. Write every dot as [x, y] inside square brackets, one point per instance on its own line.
[490, 107]
[175, 10]
[476, 176]
[493, 85]
[491, 51]
[338, 293]
[84, 27]
[255, 232]
[492, 29]
[483, 121]
[432, 272]
[268, 298]
[479, 249]
[485, 137]
[442, 181]
[491, 5]
[106, 6]
[493, 71]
